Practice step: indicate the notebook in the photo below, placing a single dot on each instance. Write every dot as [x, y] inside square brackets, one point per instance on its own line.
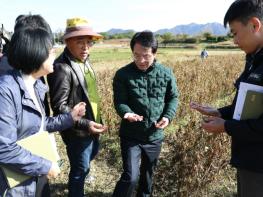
[39, 144]
[253, 105]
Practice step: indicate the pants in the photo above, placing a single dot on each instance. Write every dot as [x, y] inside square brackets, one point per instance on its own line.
[42, 187]
[134, 151]
[80, 152]
[249, 184]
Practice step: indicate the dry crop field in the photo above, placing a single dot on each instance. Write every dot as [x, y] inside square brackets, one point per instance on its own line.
[192, 163]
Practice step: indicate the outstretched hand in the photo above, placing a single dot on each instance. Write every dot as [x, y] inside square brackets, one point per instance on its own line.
[205, 110]
[132, 117]
[213, 124]
[162, 123]
[96, 128]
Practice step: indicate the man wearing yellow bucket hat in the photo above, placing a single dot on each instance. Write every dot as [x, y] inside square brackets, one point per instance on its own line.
[72, 81]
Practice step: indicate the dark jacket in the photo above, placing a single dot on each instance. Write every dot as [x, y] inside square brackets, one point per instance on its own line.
[151, 94]
[19, 119]
[247, 135]
[67, 88]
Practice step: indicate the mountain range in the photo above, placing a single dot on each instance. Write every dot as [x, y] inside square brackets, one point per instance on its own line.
[191, 29]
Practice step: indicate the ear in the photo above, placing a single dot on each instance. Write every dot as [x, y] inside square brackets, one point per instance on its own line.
[256, 24]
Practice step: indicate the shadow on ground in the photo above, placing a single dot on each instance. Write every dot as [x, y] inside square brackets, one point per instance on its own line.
[98, 194]
[59, 190]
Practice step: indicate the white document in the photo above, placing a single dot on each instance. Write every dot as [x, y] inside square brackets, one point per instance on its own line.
[54, 144]
[243, 88]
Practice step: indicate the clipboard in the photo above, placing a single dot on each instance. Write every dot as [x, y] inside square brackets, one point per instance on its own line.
[39, 144]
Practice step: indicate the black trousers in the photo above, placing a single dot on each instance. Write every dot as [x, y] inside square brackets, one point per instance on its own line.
[42, 188]
[139, 160]
[249, 184]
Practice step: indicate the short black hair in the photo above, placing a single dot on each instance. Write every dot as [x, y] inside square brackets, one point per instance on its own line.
[146, 39]
[243, 10]
[29, 48]
[33, 21]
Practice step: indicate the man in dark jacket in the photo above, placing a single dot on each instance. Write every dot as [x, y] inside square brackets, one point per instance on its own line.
[72, 81]
[145, 97]
[245, 20]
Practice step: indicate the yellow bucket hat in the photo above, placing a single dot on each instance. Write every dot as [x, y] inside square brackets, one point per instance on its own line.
[79, 27]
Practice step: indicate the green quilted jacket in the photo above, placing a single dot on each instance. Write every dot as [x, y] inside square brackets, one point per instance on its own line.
[152, 94]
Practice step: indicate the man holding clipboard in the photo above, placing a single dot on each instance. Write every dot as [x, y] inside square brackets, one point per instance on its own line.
[245, 18]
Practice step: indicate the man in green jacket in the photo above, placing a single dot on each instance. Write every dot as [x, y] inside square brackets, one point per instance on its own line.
[145, 97]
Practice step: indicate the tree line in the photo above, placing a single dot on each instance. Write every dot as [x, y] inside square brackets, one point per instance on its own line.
[166, 38]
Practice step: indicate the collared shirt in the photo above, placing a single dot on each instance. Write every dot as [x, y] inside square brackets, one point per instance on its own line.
[29, 83]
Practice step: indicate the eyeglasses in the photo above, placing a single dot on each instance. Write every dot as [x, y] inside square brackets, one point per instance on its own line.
[84, 43]
[145, 57]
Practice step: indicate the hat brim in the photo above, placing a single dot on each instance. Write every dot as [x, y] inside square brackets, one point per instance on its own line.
[94, 35]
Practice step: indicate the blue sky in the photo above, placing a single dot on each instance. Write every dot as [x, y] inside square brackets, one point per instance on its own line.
[125, 14]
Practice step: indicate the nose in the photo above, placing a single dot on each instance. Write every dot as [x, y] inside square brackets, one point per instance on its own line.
[141, 60]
